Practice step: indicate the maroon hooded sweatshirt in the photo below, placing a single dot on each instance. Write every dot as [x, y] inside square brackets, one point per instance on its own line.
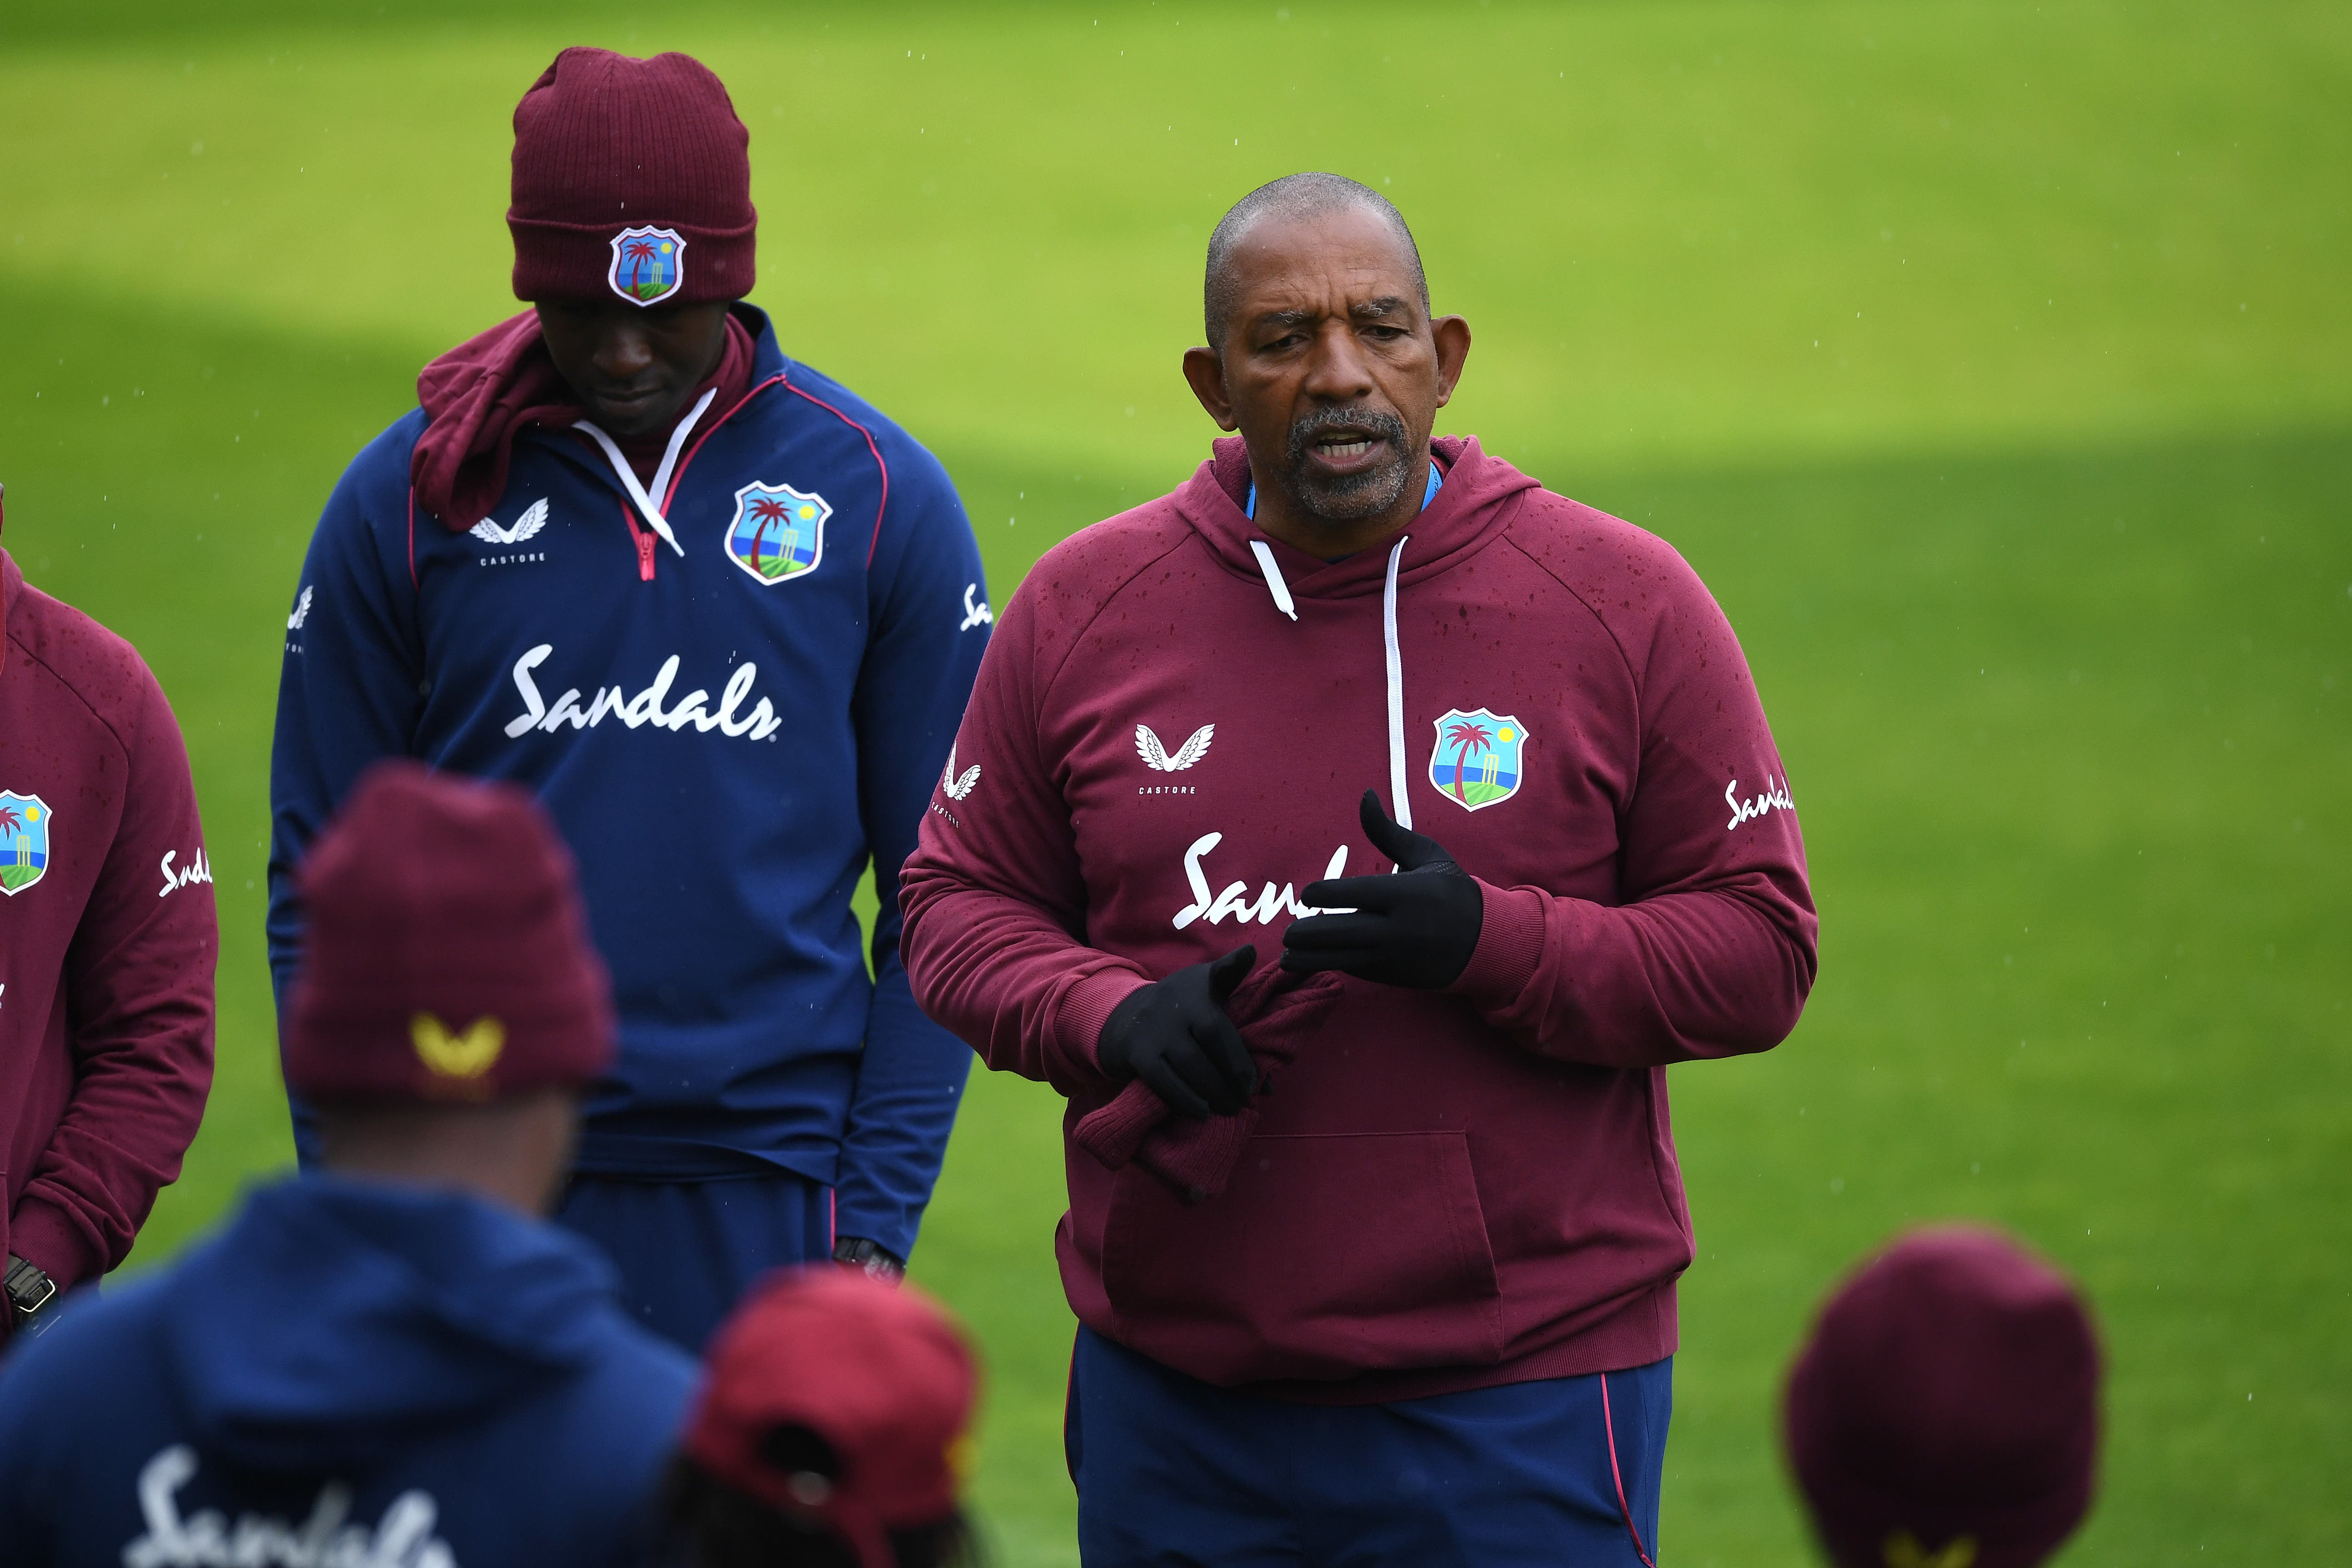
[108, 941]
[1168, 740]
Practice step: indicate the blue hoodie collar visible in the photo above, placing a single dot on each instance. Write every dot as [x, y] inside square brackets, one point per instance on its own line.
[337, 1320]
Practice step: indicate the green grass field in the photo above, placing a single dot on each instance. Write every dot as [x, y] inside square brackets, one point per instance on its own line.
[1989, 360]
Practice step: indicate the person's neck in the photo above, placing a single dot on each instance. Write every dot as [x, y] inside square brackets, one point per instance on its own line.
[1331, 537]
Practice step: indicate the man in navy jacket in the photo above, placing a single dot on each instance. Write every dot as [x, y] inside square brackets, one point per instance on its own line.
[721, 617]
[393, 1360]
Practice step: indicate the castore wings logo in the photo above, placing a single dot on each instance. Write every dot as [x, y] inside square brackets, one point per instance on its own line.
[1156, 756]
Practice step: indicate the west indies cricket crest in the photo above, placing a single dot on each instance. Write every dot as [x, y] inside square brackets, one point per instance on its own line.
[1476, 762]
[648, 265]
[778, 533]
[24, 841]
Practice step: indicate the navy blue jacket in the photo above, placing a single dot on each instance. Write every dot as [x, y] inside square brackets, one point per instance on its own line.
[724, 749]
[415, 1377]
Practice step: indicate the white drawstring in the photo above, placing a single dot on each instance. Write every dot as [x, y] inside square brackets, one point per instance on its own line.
[653, 517]
[1274, 584]
[1400, 803]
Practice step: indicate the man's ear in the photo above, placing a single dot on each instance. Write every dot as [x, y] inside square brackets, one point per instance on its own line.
[1452, 336]
[1204, 368]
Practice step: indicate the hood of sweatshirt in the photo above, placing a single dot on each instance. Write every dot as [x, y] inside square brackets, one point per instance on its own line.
[1468, 513]
[481, 394]
[1472, 510]
[338, 1320]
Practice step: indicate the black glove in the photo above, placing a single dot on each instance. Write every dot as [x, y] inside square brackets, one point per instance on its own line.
[870, 1259]
[1175, 1035]
[1417, 928]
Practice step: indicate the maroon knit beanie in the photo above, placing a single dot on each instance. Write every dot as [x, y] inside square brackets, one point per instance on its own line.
[1946, 1412]
[631, 177]
[447, 955]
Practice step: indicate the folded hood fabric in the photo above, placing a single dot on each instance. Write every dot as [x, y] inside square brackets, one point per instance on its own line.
[479, 394]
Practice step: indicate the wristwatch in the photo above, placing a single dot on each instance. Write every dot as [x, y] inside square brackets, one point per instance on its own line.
[29, 1289]
[877, 1261]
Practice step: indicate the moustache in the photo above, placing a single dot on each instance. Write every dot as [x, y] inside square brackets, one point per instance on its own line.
[1306, 428]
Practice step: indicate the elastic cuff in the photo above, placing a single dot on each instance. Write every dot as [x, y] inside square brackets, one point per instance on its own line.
[47, 1236]
[1510, 945]
[1085, 1007]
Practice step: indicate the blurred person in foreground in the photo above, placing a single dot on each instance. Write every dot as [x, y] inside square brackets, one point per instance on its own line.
[108, 945]
[1945, 1412]
[721, 616]
[830, 1432]
[1374, 1250]
[392, 1359]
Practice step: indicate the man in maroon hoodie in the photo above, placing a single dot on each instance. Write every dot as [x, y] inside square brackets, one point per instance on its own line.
[1374, 1250]
[106, 947]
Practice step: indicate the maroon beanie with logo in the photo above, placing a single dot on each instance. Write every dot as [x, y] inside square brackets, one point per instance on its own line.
[447, 955]
[1946, 1412]
[631, 178]
[878, 1372]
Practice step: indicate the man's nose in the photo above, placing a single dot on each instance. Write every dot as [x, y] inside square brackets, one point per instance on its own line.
[1338, 370]
[624, 352]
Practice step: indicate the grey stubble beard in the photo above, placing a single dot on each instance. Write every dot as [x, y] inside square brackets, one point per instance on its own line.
[1353, 496]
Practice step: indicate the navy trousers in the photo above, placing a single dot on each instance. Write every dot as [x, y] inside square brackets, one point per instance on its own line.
[688, 1251]
[1172, 1472]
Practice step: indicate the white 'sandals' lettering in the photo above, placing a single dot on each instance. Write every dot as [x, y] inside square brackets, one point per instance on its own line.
[646, 708]
[403, 1538]
[1234, 902]
[1775, 797]
[197, 870]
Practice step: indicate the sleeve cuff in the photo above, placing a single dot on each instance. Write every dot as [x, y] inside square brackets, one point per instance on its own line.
[1086, 1006]
[1510, 945]
[47, 1236]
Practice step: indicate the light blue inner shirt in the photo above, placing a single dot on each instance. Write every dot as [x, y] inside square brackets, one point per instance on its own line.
[1436, 477]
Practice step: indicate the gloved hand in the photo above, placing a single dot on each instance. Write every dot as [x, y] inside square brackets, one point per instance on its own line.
[1175, 1035]
[1417, 928]
[869, 1257]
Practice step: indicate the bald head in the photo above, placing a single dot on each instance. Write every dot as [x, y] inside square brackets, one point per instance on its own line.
[1293, 197]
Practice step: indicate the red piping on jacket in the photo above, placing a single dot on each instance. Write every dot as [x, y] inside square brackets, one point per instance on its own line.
[870, 447]
[1609, 1429]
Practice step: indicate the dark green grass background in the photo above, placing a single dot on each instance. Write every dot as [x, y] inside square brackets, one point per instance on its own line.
[1988, 359]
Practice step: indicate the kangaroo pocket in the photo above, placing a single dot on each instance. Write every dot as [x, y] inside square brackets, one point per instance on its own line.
[1325, 1257]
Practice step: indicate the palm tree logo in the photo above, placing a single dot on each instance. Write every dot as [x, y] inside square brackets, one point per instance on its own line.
[769, 509]
[779, 518]
[23, 835]
[636, 253]
[648, 265]
[1476, 760]
[1466, 738]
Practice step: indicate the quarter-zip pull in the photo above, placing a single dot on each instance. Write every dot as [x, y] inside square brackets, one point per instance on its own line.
[628, 475]
[644, 540]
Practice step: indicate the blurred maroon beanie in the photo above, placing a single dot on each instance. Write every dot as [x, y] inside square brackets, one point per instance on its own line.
[1946, 1412]
[447, 956]
[878, 1372]
[631, 178]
